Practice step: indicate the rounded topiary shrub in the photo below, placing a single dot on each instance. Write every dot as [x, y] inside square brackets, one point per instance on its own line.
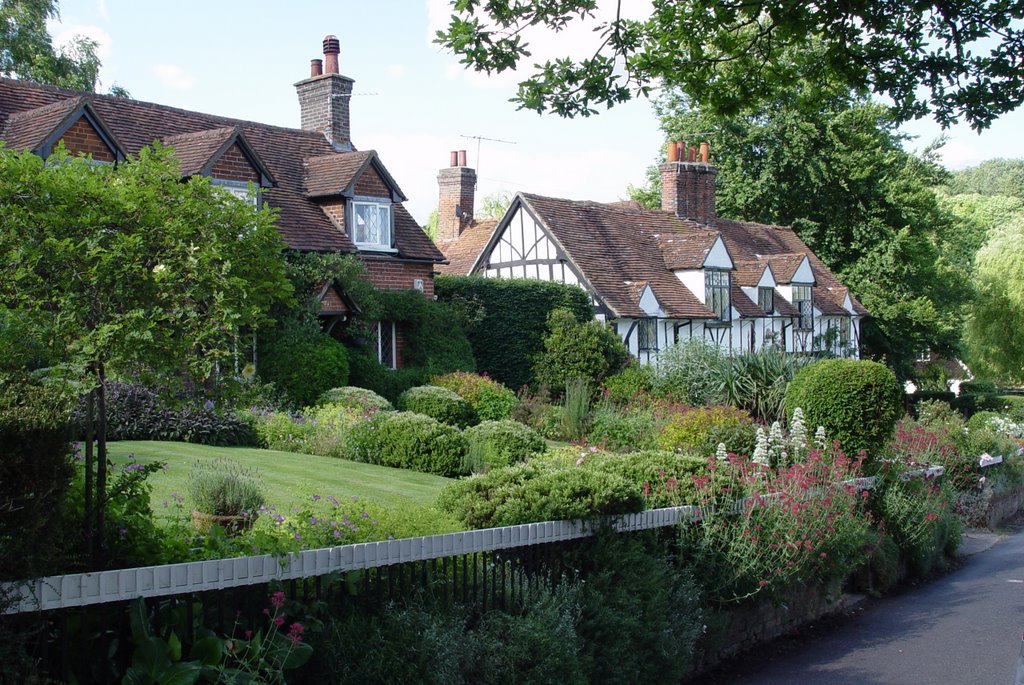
[527, 493]
[355, 398]
[302, 361]
[439, 403]
[857, 401]
[500, 443]
[407, 440]
[491, 400]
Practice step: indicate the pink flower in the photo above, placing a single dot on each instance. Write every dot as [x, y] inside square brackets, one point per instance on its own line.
[277, 600]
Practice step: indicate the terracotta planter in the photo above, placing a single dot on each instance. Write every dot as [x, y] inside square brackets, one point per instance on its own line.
[232, 525]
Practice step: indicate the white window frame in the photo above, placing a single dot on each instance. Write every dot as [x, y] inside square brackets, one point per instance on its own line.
[389, 358]
[243, 190]
[386, 243]
[711, 287]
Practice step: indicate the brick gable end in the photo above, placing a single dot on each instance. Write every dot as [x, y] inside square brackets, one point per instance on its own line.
[233, 166]
[82, 138]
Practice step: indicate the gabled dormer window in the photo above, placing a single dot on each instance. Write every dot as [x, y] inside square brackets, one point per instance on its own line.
[371, 222]
[716, 295]
[766, 299]
[802, 301]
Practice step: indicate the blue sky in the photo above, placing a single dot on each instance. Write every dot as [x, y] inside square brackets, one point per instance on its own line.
[413, 101]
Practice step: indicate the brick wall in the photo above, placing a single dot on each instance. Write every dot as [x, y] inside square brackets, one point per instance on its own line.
[83, 138]
[372, 185]
[324, 106]
[688, 190]
[233, 166]
[456, 188]
[393, 275]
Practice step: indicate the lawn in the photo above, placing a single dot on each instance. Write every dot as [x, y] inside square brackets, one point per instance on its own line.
[290, 478]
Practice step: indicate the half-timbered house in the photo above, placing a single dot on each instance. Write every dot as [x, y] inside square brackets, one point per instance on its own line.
[659, 276]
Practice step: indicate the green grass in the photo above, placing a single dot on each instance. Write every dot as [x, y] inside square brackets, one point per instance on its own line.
[290, 478]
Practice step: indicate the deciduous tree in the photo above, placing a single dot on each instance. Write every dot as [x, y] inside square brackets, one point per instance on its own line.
[130, 268]
[957, 60]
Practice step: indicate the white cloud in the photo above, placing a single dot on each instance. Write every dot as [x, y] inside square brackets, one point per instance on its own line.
[957, 154]
[173, 77]
[64, 33]
[397, 70]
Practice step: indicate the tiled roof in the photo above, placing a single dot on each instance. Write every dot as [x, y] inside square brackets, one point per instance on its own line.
[462, 253]
[748, 273]
[330, 174]
[615, 244]
[784, 266]
[825, 303]
[743, 304]
[195, 150]
[283, 151]
[783, 306]
[29, 129]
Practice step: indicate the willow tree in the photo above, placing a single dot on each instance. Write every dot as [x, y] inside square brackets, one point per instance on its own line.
[130, 268]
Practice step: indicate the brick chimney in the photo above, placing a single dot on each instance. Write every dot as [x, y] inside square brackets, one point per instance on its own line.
[324, 98]
[457, 186]
[688, 182]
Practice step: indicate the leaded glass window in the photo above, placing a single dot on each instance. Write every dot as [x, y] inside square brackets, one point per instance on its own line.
[647, 335]
[371, 224]
[716, 292]
[802, 301]
[766, 299]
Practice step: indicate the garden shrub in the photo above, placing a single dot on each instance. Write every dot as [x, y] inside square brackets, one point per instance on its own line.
[501, 443]
[527, 493]
[700, 430]
[665, 478]
[757, 381]
[408, 441]
[35, 472]
[978, 387]
[491, 401]
[922, 397]
[302, 361]
[404, 643]
[690, 372]
[355, 398]
[135, 412]
[223, 487]
[918, 514]
[857, 401]
[438, 403]
[281, 430]
[537, 412]
[366, 372]
[640, 614]
[942, 442]
[980, 420]
[327, 427]
[588, 350]
[623, 430]
[505, 319]
[635, 379]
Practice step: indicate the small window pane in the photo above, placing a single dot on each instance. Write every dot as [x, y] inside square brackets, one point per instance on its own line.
[372, 224]
[766, 299]
[647, 335]
[386, 343]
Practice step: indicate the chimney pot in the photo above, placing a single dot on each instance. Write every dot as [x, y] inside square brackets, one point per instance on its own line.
[316, 67]
[462, 158]
[672, 151]
[454, 161]
[705, 153]
[693, 154]
[331, 50]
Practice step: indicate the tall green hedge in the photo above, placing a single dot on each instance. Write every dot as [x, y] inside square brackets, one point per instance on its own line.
[506, 319]
[302, 361]
[35, 474]
[857, 401]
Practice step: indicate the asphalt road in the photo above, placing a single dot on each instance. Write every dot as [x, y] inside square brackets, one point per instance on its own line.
[962, 629]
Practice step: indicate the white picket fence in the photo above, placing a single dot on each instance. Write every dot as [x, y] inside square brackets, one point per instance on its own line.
[83, 589]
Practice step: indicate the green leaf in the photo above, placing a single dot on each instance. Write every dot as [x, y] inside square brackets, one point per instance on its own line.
[298, 656]
[208, 650]
[174, 646]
